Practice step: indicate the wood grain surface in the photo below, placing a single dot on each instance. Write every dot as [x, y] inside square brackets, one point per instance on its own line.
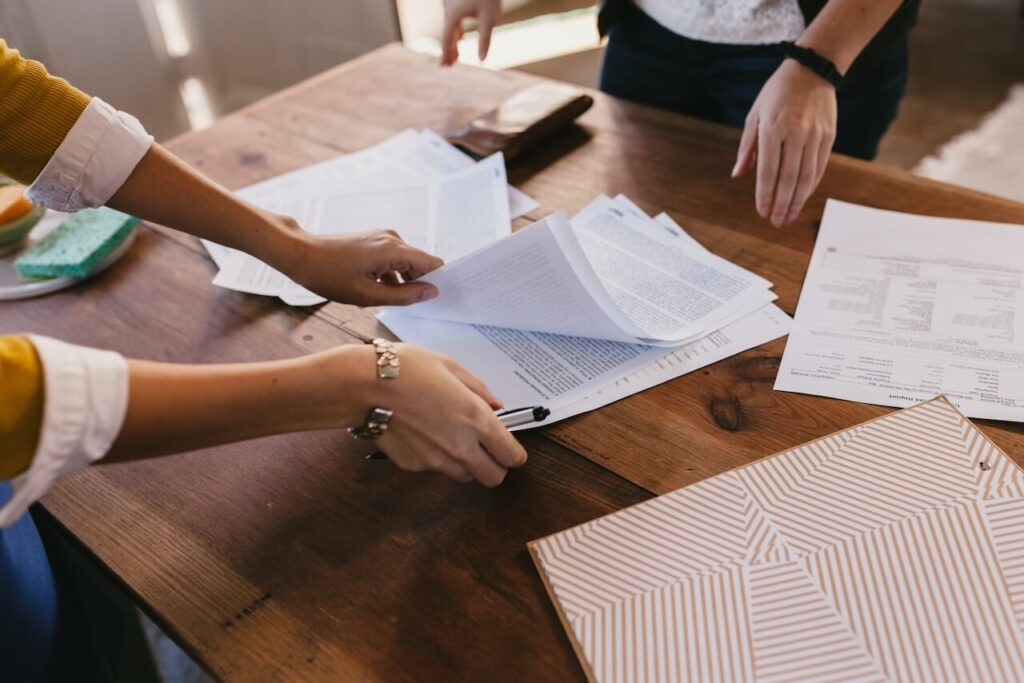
[291, 558]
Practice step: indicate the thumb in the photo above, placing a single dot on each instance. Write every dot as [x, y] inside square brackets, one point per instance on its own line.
[403, 294]
[748, 148]
[414, 263]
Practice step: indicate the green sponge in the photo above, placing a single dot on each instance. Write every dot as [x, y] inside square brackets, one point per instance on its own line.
[76, 247]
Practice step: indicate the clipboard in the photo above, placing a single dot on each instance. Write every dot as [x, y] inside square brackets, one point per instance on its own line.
[892, 550]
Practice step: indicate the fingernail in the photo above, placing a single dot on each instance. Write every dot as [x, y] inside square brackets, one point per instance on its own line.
[735, 170]
[428, 294]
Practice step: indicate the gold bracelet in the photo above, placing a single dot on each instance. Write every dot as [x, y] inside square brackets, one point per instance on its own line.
[388, 367]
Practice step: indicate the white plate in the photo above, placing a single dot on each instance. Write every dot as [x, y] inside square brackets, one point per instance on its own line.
[13, 287]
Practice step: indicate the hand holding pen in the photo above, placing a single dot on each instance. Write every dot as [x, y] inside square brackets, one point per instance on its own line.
[509, 418]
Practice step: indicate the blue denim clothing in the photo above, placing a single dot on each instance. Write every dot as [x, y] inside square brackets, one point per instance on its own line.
[59, 621]
[647, 63]
[28, 600]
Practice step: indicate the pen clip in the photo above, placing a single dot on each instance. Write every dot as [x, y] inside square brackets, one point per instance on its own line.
[509, 411]
[540, 413]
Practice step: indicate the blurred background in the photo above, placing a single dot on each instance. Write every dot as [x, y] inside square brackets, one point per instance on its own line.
[180, 64]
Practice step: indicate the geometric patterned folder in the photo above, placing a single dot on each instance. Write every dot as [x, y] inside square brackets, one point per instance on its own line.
[891, 551]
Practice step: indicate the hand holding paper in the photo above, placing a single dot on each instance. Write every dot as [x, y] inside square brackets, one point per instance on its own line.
[434, 196]
[367, 269]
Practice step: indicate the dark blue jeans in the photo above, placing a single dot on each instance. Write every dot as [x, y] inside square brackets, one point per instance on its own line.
[650, 64]
[58, 621]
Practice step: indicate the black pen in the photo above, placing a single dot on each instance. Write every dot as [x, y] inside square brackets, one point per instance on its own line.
[509, 418]
[522, 416]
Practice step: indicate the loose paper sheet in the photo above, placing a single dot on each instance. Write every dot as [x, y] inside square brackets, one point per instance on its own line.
[748, 332]
[880, 553]
[670, 294]
[526, 368]
[538, 279]
[896, 308]
[573, 375]
[603, 277]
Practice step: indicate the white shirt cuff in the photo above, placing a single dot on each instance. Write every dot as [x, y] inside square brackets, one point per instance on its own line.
[95, 158]
[86, 401]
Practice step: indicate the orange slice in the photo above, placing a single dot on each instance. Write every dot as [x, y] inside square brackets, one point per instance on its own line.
[13, 204]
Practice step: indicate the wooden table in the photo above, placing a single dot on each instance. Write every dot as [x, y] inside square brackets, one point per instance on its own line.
[290, 557]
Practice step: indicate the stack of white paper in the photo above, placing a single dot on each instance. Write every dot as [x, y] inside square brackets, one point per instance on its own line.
[416, 183]
[575, 316]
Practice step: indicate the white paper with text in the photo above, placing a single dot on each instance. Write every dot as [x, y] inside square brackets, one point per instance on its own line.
[897, 308]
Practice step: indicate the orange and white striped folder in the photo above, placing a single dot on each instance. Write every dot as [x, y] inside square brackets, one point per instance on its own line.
[891, 551]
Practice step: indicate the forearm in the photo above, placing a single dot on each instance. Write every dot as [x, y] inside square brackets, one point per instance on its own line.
[843, 28]
[176, 408]
[98, 407]
[163, 189]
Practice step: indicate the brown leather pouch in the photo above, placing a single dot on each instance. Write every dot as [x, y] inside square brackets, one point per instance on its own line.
[522, 120]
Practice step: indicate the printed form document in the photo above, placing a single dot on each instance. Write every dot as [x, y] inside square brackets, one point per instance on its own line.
[576, 315]
[897, 308]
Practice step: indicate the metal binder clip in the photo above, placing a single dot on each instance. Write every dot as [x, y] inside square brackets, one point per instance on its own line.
[984, 466]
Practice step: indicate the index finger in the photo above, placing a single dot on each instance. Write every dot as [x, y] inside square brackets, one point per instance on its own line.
[485, 21]
[792, 159]
[768, 158]
[747, 150]
[448, 39]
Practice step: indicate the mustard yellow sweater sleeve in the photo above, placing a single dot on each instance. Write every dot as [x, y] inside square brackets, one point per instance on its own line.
[21, 404]
[36, 112]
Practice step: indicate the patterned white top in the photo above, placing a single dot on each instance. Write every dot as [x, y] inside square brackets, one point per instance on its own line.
[738, 22]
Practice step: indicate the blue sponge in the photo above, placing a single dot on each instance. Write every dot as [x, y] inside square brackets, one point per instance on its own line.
[77, 246]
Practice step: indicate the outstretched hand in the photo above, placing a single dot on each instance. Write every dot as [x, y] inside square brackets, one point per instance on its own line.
[455, 12]
[788, 135]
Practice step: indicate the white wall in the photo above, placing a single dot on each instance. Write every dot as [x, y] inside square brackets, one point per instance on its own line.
[105, 47]
[241, 49]
[255, 47]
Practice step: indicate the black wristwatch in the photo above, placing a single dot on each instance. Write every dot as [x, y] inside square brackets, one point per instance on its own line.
[813, 61]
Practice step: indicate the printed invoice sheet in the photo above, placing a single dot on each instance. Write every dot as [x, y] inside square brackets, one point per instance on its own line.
[897, 308]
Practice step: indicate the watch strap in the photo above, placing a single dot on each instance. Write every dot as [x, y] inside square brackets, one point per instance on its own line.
[807, 57]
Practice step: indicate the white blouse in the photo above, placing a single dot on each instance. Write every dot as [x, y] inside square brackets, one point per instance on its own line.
[736, 22]
[86, 401]
[92, 162]
[86, 390]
